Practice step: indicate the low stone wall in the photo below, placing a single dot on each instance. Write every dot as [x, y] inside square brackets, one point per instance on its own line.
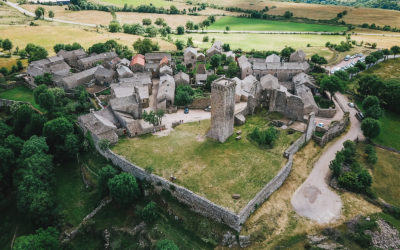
[335, 129]
[7, 103]
[292, 149]
[326, 113]
[200, 103]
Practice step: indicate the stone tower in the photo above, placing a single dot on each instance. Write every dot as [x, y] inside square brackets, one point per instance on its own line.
[222, 109]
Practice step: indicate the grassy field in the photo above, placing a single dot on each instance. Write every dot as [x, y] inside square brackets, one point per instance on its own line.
[386, 70]
[390, 130]
[238, 23]
[53, 34]
[9, 62]
[383, 42]
[209, 168]
[248, 42]
[11, 16]
[386, 174]
[20, 93]
[158, 3]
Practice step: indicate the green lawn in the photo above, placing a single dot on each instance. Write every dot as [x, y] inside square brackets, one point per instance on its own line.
[246, 24]
[20, 93]
[248, 42]
[385, 174]
[211, 169]
[386, 70]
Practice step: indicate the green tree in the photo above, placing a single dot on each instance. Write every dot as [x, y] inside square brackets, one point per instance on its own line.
[146, 21]
[179, 44]
[149, 213]
[370, 59]
[7, 45]
[42, 239]
[233, 69]
[180, 30]
[160, 21]
[114, 26]
[370, 127]
[332, 84]
[123, 188]
[14, 143]
[39, 12]
[288, 14]
[319, 60]
[395, 50]
[189, 42]
[34, 146]
[166, 245]
[189, 25]
[369, 84]
[151, 31]
[215, 61]
[47, 100]
[342, 75]
[145, 46]
[104, 144]
[286, 52]
[51, 14]
[105, 174]
[56, 131]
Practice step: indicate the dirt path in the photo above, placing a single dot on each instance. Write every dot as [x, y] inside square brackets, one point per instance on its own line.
[314, 199]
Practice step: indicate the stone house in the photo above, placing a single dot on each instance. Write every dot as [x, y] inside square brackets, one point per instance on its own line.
[166, 92]
[190, 57]
[287, 70]
[238, 89]
[112, 64]
[104, 76]
[298, 56]
[125, 62]
[95, 59]
[153, 62]
[273, 59]
[182, 79]
[130, 105]
[165, 70]
[249, 87]
[55, 65]
[77, 79]
[201, 57]
[137, 63]
[230, 55]
[245, 67]
[72, 57]
[215, 49]
[124, 72]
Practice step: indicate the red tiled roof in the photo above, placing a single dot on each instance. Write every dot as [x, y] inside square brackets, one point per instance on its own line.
[164, 60]
[137, 59]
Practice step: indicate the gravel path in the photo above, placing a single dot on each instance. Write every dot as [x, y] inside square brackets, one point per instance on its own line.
[313, 199]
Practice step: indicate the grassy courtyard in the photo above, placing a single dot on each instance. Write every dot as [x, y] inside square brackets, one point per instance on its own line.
[211, 169]
[20, 93]
[239, 23]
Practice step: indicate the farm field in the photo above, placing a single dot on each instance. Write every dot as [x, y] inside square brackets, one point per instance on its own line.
[385, 173]
[11, 16]
[9, 62]
[246, 24]
[386, 70]
[20, 93]
[383, 42]
[21, 35]
[249, 42]
[318, 11]
[158, 3]
[209, 168]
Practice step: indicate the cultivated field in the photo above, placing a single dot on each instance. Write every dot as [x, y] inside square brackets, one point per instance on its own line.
[246, 24]
[276, 42]
[158, 3]
[49, 35]
[209, 168]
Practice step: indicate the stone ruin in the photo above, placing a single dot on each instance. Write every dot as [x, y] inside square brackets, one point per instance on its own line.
[223, 108]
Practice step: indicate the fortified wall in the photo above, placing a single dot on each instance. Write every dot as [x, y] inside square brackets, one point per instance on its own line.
[202, 205]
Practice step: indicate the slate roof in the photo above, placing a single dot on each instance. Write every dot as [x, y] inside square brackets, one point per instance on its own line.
[273, 59]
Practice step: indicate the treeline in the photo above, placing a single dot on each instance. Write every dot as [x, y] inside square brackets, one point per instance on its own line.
[377, 27]
[77, 5]
[381, 4]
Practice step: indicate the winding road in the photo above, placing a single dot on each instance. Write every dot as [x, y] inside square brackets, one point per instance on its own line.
[314, 199]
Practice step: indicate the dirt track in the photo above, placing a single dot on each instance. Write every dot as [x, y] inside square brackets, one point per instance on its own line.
[314, 199]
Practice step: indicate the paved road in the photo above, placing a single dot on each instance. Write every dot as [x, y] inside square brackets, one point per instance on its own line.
[28, 13]
[314, 199]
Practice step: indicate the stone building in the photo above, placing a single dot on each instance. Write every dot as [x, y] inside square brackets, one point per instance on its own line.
[273, 59]
[124, 72]
[77, 79]
[72, 57]
[297, 56]
[104, 76]
[223, 108]
[153, 61]
[245, 67]
[165, 70]
[55, 65]
[166, 92]
[215, 49]
[93, 60]
[137, 63]
[182, 79]
[190, 57]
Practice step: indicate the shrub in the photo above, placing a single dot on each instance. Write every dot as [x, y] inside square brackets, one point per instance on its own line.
[149, 212]
[166, 245]
[264, 137]
[123, 188]
[104, 144]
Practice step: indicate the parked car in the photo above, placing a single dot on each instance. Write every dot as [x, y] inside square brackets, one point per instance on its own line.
[208, 109]
[360, 116]
[186, 110]
[321, 125]
[347, 58]
[351, 105]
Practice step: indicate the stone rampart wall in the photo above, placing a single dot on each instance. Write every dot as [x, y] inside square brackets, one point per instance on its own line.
[326, 113]
[335, 129]
[7, 103]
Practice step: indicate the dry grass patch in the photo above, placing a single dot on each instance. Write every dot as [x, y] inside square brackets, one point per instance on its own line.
[9, 62]
[381, 41]
[276, 220]
[211, 169]
[9, 15]
[48, 35]
[172, 20]
[84, 16]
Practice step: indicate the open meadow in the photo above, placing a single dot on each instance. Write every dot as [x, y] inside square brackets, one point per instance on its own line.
[49, 35]
[251, 24]
[20, 93]
[9, 62]
[11, 16]
[277, 42]
[385, 174]
[209, 168]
